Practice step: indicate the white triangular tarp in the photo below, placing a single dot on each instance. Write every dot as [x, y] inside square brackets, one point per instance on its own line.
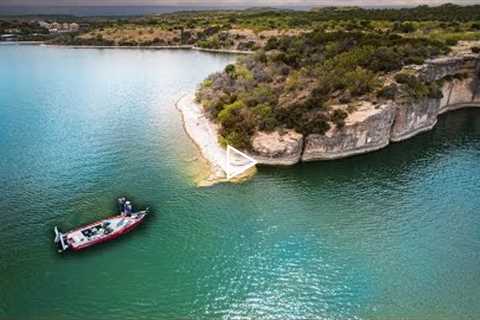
[237, 162]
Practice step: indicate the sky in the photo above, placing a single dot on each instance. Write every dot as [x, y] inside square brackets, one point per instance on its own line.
[231, 2]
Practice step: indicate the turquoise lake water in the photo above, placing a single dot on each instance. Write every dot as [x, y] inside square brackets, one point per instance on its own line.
[390, 235]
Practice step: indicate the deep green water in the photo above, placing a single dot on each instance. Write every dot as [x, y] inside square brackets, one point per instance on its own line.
[390, 235]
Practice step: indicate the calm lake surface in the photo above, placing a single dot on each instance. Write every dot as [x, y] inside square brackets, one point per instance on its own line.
[390, 235]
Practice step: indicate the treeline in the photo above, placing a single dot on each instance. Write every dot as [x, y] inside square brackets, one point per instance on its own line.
[21, 28]
[446, 13]
[250, 29]
[273, 19]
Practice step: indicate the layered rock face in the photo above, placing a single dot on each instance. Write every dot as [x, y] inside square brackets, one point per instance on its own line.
[277, 148]
[439, 68]
[413, 118]
[373, 127]
[368, 129]
[422, 115]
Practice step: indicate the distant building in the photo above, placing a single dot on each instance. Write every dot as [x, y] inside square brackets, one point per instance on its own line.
[56, 27]
[74, 27]
[12, 31]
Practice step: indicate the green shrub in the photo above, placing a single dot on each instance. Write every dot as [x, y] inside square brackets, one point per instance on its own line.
[405, 27]
[262, 94]
[316, 123]
[388, 92]
[405, 78]
[359, 81]
[207, 83]
[338, 117]
[384, 59]
[243, 73]
[451, 42]
[230, 70]
[236, 138]
[265, 117]
[293, 81]
[227, 116]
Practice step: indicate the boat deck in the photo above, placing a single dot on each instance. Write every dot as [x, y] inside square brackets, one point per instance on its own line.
[101, 229]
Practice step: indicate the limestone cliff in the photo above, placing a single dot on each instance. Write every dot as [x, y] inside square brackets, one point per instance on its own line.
[366, 130]
[278, 148]
[419, 116]
[372, 127]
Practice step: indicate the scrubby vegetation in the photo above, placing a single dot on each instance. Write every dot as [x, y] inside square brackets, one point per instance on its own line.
[304, 62]
[294, 81]
[23, 30]
[251, 29]
[311, 80]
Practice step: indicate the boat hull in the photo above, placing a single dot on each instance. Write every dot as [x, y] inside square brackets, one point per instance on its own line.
[101, 231]
[108, 238]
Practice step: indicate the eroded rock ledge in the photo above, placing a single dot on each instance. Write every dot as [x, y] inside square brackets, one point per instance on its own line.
[372, 127]
[278, 148]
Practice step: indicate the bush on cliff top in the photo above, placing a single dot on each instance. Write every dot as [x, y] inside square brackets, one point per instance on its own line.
[294, 80]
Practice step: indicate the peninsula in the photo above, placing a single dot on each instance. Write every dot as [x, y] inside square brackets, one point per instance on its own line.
[335, 92]
[316, 85]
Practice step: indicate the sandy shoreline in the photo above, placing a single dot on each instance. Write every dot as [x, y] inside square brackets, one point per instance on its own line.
[205, 136]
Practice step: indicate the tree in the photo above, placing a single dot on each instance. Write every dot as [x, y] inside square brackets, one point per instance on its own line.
[230, 70]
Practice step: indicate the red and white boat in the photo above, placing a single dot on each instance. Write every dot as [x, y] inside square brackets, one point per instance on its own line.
[100, 231]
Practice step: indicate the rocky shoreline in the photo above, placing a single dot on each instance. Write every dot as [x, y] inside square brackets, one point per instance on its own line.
[369, 128]
[374, 126]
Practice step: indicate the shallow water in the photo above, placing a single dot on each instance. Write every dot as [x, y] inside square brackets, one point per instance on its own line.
[393, 234]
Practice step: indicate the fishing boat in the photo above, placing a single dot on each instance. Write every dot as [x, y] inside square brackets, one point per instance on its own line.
[102, 230]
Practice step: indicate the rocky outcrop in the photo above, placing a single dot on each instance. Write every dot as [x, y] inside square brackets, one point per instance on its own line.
[277, 148]
[366, 130]
[414, 118]
[437, 69]
[371, 127]
[459, 93]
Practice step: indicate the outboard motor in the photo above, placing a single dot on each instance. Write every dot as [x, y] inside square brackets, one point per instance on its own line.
[59, 241]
